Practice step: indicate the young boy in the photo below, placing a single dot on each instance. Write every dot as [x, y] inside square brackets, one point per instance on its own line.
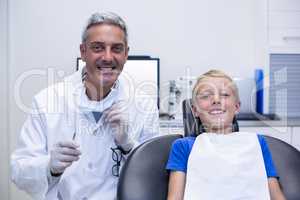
[220, 164]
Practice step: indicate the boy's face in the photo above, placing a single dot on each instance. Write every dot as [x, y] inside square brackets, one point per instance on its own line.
[216, 104]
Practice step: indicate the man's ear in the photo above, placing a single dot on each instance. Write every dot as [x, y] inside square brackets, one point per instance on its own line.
[127, 52]
[82, 48]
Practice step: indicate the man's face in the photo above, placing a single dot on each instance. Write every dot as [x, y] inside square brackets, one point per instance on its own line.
[105, 53]
[216, 104]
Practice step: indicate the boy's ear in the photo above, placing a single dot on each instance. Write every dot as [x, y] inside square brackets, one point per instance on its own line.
[194, 111]
[238, 107]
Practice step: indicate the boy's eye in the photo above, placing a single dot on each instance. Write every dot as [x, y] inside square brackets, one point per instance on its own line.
[224, 94]
[204, 96]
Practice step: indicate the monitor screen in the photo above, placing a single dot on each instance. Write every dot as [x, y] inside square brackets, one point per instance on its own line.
[142, 72]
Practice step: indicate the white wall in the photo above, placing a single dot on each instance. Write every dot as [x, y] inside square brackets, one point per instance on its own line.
[198, 35]
[4, 186]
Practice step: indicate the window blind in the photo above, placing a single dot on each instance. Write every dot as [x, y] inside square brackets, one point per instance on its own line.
[285, 85]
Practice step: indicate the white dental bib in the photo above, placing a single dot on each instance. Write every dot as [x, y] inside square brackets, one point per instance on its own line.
[226, 167]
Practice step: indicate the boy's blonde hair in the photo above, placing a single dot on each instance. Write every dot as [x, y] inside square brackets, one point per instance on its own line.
[215, 74]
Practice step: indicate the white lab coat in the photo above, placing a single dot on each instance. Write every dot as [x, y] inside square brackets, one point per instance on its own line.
[59, 111]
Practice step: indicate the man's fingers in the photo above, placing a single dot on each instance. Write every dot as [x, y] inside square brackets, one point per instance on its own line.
[110, 111]
[69, 144]
[67, 158]
[69, 151]
[114, 118]
[63, 155]
[119, 106]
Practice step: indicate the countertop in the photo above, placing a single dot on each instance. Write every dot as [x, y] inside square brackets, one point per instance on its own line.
[242, 123]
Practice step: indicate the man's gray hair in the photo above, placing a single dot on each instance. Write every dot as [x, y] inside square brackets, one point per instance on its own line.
[105, 18]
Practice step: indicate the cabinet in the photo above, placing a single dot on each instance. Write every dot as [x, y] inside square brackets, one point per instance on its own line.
[296, 137]
[283, 5]
[289, 133]
[170, 127]
[283, 26]
[282, 133]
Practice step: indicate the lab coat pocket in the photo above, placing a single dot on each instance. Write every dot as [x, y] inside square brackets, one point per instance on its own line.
[96, 159]
[100, 167]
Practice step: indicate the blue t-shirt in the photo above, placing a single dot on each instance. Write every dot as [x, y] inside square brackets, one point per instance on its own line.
[181, 149]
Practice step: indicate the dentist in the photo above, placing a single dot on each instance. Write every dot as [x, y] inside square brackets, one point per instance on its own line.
[72, 145]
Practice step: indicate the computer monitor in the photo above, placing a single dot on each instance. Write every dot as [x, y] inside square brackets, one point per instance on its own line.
[142, 72]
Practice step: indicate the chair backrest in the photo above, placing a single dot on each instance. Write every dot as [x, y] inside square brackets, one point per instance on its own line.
[192, 125]
[287, 162]
[286, 158]
[143, 176]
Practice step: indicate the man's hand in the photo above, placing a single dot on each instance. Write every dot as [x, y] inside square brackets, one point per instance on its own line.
[118, 121]
[62, 156]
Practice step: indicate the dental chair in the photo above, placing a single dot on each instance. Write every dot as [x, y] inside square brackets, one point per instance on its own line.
[286, 158]
[143, 176]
